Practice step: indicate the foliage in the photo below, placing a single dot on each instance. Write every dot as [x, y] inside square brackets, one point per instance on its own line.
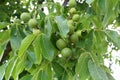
[68, 43]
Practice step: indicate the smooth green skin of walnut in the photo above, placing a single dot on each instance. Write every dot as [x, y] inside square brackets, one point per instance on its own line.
[17, 21]
[74, 38]
[72, 3]
[66, 52]
[71, 29]
[75, 17]
[70, 22]
[78, 32]
[36, 31]
[32, 23]
[72, 11]
[25, 16]
[61, 44]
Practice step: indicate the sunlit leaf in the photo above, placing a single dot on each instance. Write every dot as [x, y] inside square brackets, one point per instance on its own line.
[20, 65]
[15, 38]
[2, 70]
[26, 42]
[1, 52]
[46, 47]
[3, 25]
[37, 49]
[62, 25]
[31, 54]
[10, 67]
[48, 27]
[110, 12]
[114, 37]
[110, 77]
[81, 67]
[4, 36]
[96, 71]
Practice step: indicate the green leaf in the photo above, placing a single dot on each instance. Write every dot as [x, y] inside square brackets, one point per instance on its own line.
[57, 68]
[96, 71]
[28, 65]
[48, 71]
[4, 36]
[3, 25]
[31, 55]
[62, 25]
[110, 77]
[2, 70]
[64, 76]
[26, 77]
[36, 74]
[37, 49]
[15, 37]
[43, 75]
[10, 67]
[26, 42]
[110, 12]
[20, 65]
[114, 37]
[89, 41]
[46, 47]
[43, 72]
[81, 66]
[1, 52]
[48, 27]
[98, 50]
[99, 37]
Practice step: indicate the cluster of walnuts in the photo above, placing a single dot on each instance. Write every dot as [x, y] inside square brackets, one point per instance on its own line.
[65, 45]
[26, 17]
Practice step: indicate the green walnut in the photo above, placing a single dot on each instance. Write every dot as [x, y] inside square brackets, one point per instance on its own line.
[76, 17]
[71, 29]
[72, 11]
[36, 31]
[61, 44]
[32, 23]
[66, 52]
[17, 21]
[74, 38]
[72, 3]
[78, 32]
[25, 16]
[70, 22]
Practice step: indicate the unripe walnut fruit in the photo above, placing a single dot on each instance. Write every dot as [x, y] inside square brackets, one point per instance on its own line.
[36, 31]
[32, 23]
[72, 11]
[72, 3]
[25, 16]
[61, 44]
[78, 32]
[66, 52]
[75, 17]
[74, 38]
[70, 22]
[71, 29]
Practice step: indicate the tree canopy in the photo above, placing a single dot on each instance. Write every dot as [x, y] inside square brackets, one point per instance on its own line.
[69, 42]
